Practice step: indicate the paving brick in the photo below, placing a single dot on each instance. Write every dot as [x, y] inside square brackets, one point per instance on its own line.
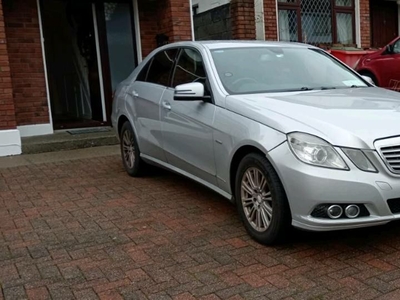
[184, 296]
[210, 297]
[110, 295]
[233, 291]
[87, 294]
[14, 293]
[111, 285]
[61, 291]
[40, 293]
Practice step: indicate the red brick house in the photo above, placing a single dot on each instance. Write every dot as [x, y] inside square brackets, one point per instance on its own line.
[60, 60]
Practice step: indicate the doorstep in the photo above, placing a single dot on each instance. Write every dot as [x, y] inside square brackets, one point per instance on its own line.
[69, 140]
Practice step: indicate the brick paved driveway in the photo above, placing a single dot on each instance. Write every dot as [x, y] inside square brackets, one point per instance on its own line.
[85, 230]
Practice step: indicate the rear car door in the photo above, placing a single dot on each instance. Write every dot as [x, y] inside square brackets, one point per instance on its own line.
[187, 125]
[143, 101]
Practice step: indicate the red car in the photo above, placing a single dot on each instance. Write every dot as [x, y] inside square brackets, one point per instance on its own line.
[383, 66]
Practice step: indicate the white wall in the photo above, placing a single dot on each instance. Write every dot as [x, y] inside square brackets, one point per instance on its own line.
[259, 19]
[205, 5]
[10, 142]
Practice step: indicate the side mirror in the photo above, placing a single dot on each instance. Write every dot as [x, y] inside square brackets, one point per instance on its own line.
[193, 91]
[368, 79]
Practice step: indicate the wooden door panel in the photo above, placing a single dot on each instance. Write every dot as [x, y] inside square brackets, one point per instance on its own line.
[384, 22]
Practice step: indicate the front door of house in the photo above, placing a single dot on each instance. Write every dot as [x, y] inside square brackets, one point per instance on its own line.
[90, 48]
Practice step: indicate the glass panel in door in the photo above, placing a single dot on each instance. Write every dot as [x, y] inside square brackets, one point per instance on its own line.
[120, 40]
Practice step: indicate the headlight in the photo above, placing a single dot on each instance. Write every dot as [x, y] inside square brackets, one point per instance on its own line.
[359, 159]
[315, 151]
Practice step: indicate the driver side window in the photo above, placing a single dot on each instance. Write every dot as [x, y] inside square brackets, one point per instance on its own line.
[189, 68]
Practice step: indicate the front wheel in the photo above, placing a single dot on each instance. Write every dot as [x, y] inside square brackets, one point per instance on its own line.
[261, 200]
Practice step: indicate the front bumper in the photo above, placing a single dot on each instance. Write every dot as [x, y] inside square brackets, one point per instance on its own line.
[307, 186]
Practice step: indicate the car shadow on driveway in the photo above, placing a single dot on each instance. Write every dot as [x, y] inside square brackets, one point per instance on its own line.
[353, 237]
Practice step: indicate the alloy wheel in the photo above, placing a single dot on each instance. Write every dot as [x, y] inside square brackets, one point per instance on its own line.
[256, 199]
[128, 149]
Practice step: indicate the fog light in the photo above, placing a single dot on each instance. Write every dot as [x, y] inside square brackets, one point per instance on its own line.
[352, 211]
[334, 211]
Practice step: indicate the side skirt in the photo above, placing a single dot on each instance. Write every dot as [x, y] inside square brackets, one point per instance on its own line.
[167, 166]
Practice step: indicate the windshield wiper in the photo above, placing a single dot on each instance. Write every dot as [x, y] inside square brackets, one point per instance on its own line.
[324, 88]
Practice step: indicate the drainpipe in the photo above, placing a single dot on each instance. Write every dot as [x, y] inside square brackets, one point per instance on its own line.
[191, 19]
[260, 19]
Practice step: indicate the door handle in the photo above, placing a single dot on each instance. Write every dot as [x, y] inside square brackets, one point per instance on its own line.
[135, 94]
[166, 105]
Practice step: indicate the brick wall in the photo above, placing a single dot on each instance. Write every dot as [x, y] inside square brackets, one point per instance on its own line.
[181, 20]
[271, 31]
[243, 20]
[169, 17]
[365, 23]
[7, 110]
[26, 62]
[148, 26]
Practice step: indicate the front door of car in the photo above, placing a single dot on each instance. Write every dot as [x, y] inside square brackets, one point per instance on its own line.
[388, 66]
[187, 125]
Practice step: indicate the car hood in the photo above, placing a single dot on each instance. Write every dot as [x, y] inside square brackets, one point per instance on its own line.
[344, 117]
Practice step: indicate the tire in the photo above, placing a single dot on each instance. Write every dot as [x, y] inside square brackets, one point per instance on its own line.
[130, 152]
[258, 208]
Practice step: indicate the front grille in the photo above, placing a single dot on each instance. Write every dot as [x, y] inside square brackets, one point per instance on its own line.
[394, 205]
[392, 156]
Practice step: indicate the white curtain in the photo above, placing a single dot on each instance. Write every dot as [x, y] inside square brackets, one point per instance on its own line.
[284, 30]
[344, 28]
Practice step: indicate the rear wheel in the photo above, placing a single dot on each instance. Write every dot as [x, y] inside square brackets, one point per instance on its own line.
[130, 151]
[261, 200]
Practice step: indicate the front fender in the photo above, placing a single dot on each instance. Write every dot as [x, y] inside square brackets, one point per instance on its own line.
[232, 132]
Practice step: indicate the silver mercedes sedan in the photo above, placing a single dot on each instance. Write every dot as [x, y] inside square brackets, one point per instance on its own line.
[285, 131]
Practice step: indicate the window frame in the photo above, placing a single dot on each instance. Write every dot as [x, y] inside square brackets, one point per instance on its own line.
[146, 66]
[207, 85]
[150, 63]
[296, 6]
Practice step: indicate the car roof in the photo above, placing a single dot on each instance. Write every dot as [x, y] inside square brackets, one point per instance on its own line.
[239, 44]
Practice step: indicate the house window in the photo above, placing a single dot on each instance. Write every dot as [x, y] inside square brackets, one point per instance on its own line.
[318, 22]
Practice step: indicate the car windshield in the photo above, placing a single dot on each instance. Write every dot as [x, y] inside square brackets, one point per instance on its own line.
[280, 69]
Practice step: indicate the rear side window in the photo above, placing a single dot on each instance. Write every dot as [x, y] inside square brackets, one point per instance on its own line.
[160, 67]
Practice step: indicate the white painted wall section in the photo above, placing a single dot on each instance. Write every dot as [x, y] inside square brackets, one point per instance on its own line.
[10, 142]
[33, 130]
[45, 73]
[260, 21]
[358, 23]
[398, 12]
